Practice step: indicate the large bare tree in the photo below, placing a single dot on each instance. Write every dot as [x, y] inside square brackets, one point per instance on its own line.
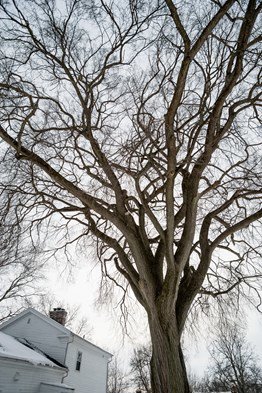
[136, 122]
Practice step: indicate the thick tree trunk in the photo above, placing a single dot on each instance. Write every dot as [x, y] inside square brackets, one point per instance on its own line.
[168, 371]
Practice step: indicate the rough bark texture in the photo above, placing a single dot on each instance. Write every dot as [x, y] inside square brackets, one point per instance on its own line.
[168, 371]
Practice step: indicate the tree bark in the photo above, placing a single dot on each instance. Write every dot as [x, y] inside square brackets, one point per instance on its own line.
[168, 371]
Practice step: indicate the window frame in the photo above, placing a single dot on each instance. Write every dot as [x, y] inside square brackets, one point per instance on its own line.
[78, 360]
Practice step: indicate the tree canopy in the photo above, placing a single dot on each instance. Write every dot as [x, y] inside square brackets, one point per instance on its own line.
[137, 123]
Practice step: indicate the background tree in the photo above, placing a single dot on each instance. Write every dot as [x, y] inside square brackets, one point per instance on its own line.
[234, 362]
[136, 123]
[140, 367]
[117, 381]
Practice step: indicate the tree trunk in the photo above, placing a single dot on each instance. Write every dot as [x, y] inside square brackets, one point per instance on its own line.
[168, 371]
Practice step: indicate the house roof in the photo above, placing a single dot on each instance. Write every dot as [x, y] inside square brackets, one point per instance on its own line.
[12, 349]
[31, 310]
[63, 329]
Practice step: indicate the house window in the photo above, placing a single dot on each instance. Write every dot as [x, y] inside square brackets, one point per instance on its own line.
[78, 360]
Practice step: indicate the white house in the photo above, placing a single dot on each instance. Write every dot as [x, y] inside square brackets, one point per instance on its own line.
[81, 365]
[25, 370]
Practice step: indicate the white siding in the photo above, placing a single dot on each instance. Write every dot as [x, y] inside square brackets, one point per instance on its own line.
[93, 373]
[60, 344]
[40, 333]
[16, 377]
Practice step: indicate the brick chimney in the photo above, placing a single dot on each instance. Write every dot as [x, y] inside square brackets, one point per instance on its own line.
[59, 315]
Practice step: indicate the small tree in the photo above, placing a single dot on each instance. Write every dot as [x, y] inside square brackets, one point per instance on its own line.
[117, 381]
[140, 368]
[234, 362]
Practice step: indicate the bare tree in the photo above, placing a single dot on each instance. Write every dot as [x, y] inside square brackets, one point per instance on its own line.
[20, 271]
[117, 381]
[140, 367]
[136, 123]
[234, 362]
